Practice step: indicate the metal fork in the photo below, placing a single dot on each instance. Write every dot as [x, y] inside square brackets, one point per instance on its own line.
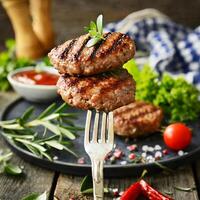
[97, 149]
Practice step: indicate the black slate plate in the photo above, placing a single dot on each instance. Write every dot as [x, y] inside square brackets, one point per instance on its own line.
[68, 164]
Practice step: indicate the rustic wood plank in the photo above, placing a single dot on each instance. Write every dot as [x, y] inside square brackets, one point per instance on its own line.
[196, 171]
[68, 187]
[35, 179]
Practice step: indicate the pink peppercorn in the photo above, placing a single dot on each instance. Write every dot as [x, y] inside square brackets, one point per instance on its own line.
[81, 160]
[115, 192]
[108, 156]
[165, 152]
[132, 147]
[132, 156]
[118, 153]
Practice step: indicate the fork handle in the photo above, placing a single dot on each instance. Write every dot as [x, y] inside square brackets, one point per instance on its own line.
[97, 174]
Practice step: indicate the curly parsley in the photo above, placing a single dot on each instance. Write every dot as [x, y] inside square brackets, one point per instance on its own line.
[178, 98]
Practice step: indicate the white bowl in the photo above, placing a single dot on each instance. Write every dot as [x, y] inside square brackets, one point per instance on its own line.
[34, 93]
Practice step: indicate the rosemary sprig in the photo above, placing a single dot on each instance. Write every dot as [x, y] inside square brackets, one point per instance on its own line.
[8, 168]
[36, 196]
[95, 31]
[23, 131]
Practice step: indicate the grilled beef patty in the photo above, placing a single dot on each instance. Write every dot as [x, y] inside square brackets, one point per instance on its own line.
[74, 58]
[106, 91]
[137, 119]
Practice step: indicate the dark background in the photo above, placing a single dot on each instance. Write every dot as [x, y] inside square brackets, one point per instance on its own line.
[70, 16]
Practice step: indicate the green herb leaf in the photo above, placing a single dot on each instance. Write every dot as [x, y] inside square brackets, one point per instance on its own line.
[67, 133]
[178, 98]
[100, 24]
[36, 196]
[185, 189]
[55, 144]
[6, 157]
[33, 196]
[37, 146]
[93, 41]
[53, 128]
[27, 114]
[163, 167]
[95, 31]
[47, 111]
[61, 108]
[23, 133]
[12, 169]
[86, 185]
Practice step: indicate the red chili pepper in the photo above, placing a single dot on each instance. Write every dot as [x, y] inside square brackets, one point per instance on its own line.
[151, 193]
[133, 192]
[142, 188]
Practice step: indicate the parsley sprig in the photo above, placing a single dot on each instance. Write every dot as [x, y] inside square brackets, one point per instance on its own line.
[23, 131]
[95, 31]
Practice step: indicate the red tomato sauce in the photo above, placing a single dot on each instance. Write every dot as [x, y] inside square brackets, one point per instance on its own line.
[33, 77]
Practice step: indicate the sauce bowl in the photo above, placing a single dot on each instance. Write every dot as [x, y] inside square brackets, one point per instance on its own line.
[34, 93]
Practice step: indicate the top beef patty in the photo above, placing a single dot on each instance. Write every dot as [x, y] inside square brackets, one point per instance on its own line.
[74, 58]
[106, 91]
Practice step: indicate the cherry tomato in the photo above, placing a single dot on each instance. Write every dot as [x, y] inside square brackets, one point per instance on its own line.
[177, 136]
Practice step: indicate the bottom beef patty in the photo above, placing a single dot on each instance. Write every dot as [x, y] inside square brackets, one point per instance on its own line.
[137, 119]
[105, 92]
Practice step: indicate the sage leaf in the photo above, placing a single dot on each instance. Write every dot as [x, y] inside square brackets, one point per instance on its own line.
[12, 169]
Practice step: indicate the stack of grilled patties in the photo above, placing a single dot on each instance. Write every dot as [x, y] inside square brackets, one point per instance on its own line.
[93, 77]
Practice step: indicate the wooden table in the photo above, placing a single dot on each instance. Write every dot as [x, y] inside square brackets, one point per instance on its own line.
[62, 187]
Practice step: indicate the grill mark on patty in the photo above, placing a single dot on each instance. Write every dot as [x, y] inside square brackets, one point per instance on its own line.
[98, 45]
[114, 44]
[125, 110]
[78, 53]
[113, 86]
[120, 40]
[95, 82]
[143, 115]
[67, 49]
[141, 108]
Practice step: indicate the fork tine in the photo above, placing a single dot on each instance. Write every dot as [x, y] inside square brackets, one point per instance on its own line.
[103, 128]
[95, 131]
[87, 127]
[110, 128]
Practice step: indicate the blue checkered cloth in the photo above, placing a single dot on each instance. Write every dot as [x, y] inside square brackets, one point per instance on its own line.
[171, 47]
